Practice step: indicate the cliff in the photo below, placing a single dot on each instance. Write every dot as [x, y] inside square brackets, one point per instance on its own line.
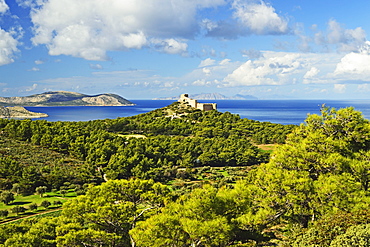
[63, 98]
[19, 112]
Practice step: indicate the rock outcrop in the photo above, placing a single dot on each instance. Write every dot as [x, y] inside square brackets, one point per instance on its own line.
[63, 98]
[19, 112]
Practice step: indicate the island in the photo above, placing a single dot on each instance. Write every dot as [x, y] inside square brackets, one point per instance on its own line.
[64, 98]
[19, 112]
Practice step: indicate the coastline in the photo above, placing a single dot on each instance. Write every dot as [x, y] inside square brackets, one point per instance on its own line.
[19, 112]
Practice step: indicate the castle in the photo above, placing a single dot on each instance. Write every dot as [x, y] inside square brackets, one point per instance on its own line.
[184, 98]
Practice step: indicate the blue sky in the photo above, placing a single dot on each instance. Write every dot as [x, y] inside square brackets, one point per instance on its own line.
[143, 49]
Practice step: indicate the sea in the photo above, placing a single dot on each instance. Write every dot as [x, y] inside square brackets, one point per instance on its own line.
[274, 111]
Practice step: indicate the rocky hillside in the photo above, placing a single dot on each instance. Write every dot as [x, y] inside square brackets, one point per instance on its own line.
[62, 98]
[19, 112]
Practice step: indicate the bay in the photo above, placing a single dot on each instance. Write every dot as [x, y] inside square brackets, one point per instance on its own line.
[275, 111]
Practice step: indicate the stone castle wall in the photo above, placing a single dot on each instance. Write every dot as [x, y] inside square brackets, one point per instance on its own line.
[184, 98]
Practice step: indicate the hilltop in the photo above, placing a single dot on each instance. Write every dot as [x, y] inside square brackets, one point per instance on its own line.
[63, 98]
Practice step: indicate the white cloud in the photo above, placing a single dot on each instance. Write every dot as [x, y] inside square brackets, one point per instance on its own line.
[274, 69]
[210, 72]
[249, 17]
[311, 73]
[204, 82]
[3, 6]
[208, 24]
[225, 61]
[34, 86]
[281, 68]
[346, 40]
[355, 66]
[90, 28]
[38, 62]
[207, 62]
[34, 69]
[206, 71]
[259, 17]
[168, 84]
[96, 66]
[170, 46]
[8, 46]
[339, 88]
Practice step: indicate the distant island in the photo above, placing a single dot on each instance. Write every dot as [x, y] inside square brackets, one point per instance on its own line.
[19, 112]
[63, 98]
[211, 96]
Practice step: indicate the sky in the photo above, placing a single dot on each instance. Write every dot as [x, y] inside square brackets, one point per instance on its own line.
[144, 49]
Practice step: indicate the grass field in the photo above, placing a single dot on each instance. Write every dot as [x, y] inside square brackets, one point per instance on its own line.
[26, 201]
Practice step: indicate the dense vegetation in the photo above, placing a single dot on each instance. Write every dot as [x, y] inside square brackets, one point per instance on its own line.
[312, 191]
[85, 152]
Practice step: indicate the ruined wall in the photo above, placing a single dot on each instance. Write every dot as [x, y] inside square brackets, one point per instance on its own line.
[184, 98]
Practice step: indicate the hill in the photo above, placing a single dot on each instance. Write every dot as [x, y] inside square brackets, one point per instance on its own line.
[63, 98]
[19, 112]
[212, 96]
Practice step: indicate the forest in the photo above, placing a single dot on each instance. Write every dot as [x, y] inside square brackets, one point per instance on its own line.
[178, 176]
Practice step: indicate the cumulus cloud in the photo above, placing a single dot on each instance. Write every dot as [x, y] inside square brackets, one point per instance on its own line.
[259, 17]
[249, 17]
[170, 46]
[273, 69]
[354, 66]
[345, 40]
[225, 61]
[207, 71]
[311, 73]
[281, 68]
[90, 28]
[8, 46]
[207, 62]
[210, 72]
[3, 6]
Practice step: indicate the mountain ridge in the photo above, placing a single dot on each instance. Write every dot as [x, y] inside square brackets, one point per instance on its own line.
[65, 98]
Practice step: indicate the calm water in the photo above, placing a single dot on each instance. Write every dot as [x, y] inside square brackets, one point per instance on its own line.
[275, 111]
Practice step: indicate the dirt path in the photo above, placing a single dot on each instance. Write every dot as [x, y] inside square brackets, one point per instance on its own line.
[29, 216]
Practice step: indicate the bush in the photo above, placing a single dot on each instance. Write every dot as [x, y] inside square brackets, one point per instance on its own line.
[18, 209]
[4, 213]
[355, 236]
[32, 206]
[57, 203]
[45, 204]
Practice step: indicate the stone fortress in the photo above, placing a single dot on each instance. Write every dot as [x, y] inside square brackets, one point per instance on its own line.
[184, 98]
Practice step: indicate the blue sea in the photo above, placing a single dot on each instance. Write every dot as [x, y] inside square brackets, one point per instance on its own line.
[275, 111]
